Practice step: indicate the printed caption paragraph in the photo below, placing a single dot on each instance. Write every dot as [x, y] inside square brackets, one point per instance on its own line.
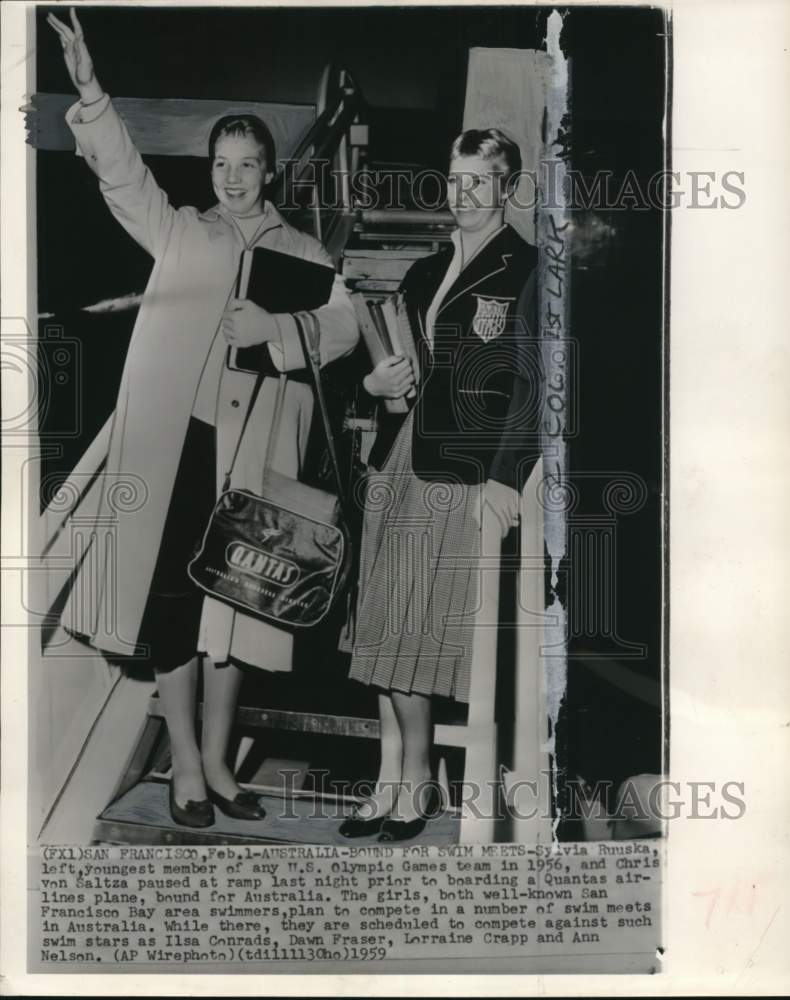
[102, 907]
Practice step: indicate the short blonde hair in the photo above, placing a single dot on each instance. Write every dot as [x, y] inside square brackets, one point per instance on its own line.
[490, 144]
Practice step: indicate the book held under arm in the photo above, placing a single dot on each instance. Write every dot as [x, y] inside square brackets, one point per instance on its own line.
[279, 283]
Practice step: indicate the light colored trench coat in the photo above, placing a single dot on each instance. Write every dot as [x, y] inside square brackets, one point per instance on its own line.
[176, 348]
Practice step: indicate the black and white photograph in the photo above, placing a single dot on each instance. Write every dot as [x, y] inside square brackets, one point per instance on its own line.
[249, 677]
[346, 491]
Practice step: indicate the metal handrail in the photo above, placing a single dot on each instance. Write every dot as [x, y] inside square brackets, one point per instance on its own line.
[326, 138]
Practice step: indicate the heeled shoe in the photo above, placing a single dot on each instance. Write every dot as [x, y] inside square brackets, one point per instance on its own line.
[194, 813]
[393, 830]
[245, 805]
[354, 826]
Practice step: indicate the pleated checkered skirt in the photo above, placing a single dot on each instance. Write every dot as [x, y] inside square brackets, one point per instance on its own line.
[418, 582]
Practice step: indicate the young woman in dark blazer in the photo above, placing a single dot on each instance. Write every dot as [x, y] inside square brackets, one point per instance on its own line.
[467, 441]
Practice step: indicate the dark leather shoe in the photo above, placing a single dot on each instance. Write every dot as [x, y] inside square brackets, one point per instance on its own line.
[393, 830]
[356, 827]
[195, 814]
[246, 805]
[400, 829]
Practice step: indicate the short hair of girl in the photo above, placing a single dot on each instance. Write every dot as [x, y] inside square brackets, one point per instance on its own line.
[490, 144]
[244, 125]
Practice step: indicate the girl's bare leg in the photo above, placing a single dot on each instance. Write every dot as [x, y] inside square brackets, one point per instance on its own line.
[388, 781]
[413, 712]
[177, 692]
[220, 695]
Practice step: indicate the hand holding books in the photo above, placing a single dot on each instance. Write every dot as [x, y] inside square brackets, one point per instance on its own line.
[244, 324]
[392, 378]
[390, 342]
[269, 282]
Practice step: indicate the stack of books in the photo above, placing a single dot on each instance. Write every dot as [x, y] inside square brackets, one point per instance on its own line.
[386, 331]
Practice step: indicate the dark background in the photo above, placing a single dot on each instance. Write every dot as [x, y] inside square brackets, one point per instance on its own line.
[410, 65]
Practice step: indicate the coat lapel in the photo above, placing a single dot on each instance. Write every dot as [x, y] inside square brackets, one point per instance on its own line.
[429, 284]
[493, 258]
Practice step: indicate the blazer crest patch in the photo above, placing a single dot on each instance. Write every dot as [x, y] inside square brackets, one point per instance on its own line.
[490, 318]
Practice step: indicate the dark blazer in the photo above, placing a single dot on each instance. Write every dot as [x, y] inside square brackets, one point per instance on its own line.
[477, 411]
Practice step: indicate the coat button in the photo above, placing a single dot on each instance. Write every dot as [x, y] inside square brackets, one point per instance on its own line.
[234, 402]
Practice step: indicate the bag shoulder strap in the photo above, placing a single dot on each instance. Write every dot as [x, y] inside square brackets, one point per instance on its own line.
[256, 389]
[309, 331]
[240, 290]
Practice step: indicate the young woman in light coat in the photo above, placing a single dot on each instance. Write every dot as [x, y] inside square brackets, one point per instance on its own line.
[178, 417]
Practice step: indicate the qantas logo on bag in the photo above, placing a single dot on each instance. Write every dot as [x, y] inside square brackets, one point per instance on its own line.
[258, 563]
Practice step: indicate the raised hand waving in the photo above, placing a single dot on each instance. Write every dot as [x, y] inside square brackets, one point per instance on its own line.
[77, 57]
